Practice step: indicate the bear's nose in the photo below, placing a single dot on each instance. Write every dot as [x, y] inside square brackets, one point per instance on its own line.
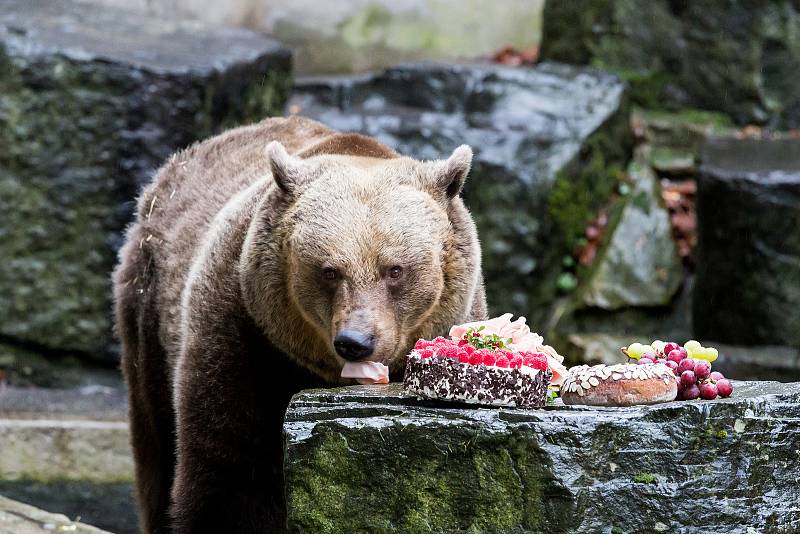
[353, 345]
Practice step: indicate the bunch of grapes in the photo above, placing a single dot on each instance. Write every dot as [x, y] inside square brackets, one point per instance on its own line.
[691, 364]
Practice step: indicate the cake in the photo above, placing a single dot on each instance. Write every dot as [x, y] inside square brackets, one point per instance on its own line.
[496, 363]
[449, 379]
[621, 384]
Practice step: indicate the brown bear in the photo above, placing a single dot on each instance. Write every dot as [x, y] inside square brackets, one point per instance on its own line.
[260, 261]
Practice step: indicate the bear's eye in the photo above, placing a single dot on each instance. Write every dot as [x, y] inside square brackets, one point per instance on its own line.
[395, 272]
[330, 274]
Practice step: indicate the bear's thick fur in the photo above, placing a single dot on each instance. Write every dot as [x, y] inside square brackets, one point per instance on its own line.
[250, 251]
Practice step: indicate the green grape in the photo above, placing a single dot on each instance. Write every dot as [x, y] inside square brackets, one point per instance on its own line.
[635, 350]
[697, 353]
[708, 354]
[692, 344]
[658, 346]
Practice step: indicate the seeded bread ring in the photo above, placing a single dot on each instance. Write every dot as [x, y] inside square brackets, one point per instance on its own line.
[619, 385]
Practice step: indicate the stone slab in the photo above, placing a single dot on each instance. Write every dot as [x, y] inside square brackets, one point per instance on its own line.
[20, 518]
[367, 458]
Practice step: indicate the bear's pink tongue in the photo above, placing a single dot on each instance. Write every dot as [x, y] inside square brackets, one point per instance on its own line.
[366, 372]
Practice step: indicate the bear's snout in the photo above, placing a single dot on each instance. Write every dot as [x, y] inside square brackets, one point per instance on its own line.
[354, 345]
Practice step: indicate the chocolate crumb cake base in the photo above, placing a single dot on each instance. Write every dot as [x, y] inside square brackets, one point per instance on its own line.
[450, 380]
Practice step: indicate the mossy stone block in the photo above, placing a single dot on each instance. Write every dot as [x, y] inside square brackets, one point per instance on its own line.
[92, 101]
[370, 459]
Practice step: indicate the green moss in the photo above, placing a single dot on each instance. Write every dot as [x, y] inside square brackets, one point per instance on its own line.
[645, 478]
[586, 185]
[646, 86]
[501, 490]
[319, 494]
[697, 117]
[719, 434]
[404, 480]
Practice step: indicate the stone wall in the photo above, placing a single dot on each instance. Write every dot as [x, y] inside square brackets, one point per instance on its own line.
[355, 35]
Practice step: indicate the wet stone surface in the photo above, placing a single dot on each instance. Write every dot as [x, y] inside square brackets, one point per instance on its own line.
[368, 458]
[748, 261]
[92, 101]
[550, 144]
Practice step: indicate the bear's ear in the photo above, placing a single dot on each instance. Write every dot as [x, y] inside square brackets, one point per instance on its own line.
[452, 172]
[289, 172]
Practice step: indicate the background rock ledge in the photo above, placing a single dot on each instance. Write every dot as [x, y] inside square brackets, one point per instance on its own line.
[368, 459]
[551, 144]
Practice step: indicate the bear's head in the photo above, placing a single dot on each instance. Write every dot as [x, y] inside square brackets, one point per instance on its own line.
[355, 258]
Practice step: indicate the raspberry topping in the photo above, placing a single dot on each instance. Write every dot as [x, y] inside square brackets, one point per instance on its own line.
[468, 354]
[536, 360]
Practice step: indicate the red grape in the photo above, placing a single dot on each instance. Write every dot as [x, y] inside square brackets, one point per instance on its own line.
[724, 387]
[669, 347]
[649, 354]
[687, 364]
[644, 360]
[672, 365]
[676, 356]
[716, 376]
[691, 392]
[708, 391]
[688, 378]
[702, 368]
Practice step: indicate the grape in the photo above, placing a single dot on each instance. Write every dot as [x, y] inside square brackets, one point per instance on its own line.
[644, 360]
[708, 391]
[683, 352]
[658, 345]
[662, 361]
[716, 376]
[724, 387]
[688, 378]
[692, 344]
[672, 365]
[702, 369]
[669, 347]
[691, 392]
[649, 354]
[695, 353]
[711, 354]
[635, 350]
[676, 356]
[687, 364]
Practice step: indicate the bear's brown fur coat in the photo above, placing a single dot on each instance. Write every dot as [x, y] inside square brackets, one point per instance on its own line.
[248, 253]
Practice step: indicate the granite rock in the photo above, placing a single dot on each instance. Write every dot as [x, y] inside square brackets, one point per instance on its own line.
[640, 265]
[368, 459]
[92, 101]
